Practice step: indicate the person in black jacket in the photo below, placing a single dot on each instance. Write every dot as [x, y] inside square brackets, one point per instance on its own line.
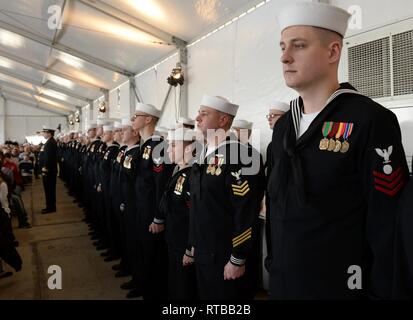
[225, 200]
[403, 257]
[337, 172]
[175, 205]
[153, 172]
[127, 207]
[48, 165]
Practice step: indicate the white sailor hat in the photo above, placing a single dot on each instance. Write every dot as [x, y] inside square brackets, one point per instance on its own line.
[92, 125]
[47, 128]
[219, 104]
[182, 134]
[186, 121]
[101, 122]
[161, 129]
[108, 127]
[242, 124]
[117, 125]
[314, 14]
[148, 109]
[279, 105]
[126, 122]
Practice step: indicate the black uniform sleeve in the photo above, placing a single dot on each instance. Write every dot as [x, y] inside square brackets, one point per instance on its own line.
[245, 198]
[50, 157]
[385, 174]
[194, 181]
[162, 171]
[268, 166]
[403, 264]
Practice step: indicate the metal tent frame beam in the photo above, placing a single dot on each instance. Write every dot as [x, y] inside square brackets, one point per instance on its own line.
[6, 85]
[134, 22]
[49, 71]
[63, 108]
[47, 85]
[66, 49]
[40, 105]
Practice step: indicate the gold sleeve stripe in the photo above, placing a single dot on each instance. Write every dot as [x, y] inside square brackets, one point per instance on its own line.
[241, 241]
[242, 234]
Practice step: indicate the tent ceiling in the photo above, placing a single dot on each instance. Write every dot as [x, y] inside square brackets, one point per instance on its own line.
[27, 98]
[105, 38]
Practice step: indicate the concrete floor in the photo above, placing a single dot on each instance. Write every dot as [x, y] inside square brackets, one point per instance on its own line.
[59, 239]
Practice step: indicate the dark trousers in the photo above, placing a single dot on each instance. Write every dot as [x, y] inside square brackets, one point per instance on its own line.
[49, 185]
[210, 278]
[18, 208]
[132, 243]
[181, 280]
[154, 260]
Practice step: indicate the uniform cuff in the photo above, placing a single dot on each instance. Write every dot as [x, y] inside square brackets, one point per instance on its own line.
[237, 262]
[188, 253]
[158, 221]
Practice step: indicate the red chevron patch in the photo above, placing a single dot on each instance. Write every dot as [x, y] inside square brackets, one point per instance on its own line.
[385, 176]
[389, 184]
[158, 169]
[390, 193]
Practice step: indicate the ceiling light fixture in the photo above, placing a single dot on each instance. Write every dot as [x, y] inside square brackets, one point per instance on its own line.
[177, 76]
[102, 107]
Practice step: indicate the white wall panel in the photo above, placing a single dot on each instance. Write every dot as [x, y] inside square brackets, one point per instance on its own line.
[153, 87]
[146, 86]
[2, 120]
[124, 100]
[23, 120]
[18, 109]
[377, 13]
[405, 117]
[257, 68]
[15, 128]
[163, 72]
[210, 68]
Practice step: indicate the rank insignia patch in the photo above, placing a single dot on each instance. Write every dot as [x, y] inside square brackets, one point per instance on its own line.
[240, 190]
[385, 154]
[158, 168]
[389, 181]
[237, 176]
[106, 155]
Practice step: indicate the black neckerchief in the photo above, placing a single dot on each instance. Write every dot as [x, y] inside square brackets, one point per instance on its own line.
[292, 163]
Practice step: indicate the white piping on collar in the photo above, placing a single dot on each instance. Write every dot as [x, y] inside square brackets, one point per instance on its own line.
[297, 111]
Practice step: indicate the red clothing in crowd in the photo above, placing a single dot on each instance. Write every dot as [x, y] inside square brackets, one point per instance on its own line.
[18, 181]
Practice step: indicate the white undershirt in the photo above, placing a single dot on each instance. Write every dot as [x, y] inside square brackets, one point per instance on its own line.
[305, 122]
